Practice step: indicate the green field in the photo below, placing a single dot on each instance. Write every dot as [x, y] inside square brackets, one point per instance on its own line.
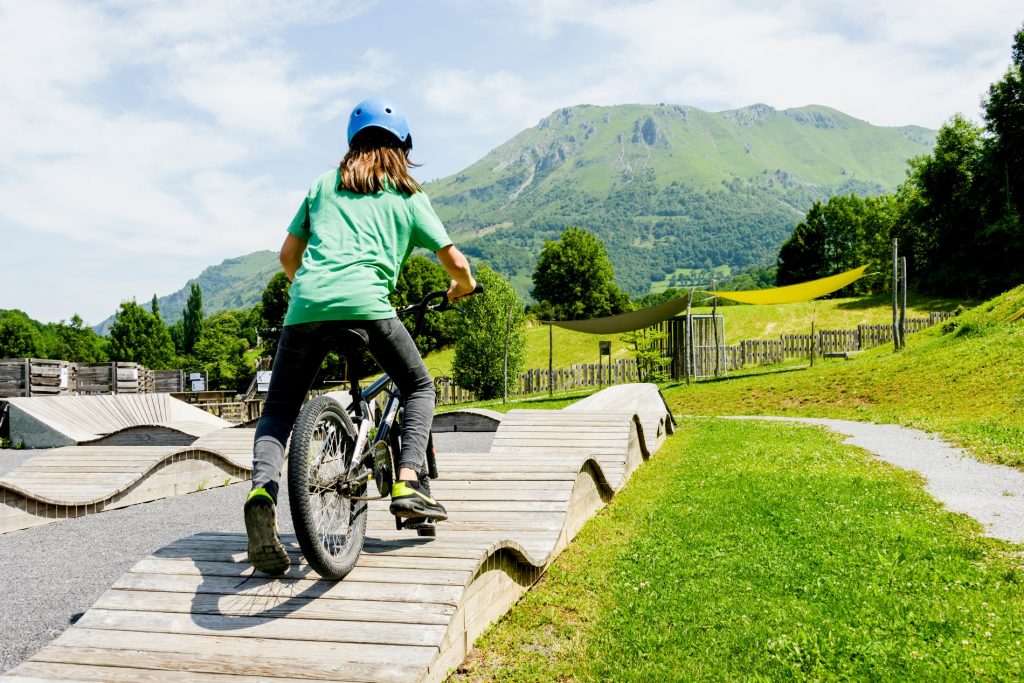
[965, 384]
[768, 551]
[763, 551]
[741, 322]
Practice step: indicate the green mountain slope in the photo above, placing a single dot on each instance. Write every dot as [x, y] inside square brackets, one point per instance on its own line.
[233, 284]
[668, 188]
[673, 191]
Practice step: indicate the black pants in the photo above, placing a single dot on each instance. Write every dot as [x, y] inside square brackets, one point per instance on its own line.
[301, 352]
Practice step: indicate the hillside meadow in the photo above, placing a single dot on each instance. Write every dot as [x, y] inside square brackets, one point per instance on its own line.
[741, 322]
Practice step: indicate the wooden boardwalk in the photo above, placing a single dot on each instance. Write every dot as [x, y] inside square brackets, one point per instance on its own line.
[122, 419]
[61, 483]
[412, 607]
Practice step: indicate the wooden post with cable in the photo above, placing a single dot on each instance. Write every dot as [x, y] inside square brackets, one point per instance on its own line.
[895, 295]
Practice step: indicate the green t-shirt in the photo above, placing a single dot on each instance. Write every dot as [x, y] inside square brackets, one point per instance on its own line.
[356, 245]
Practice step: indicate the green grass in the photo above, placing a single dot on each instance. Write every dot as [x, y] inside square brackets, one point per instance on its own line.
[765, 551]
[741, 322]
[768, 322]
[570, 348]
[964, 384]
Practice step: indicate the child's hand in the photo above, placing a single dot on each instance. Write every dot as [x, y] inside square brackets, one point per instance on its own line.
[457, 291]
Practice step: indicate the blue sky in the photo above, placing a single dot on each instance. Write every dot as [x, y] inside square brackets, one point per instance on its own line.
[143, 140]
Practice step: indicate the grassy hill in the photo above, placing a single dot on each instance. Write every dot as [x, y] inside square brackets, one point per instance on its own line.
[741, 322]
[962, 381]
[668, 188]
[676, 193]
[233, 284]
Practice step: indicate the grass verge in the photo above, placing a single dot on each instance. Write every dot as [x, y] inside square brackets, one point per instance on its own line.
[962, 380]
[766, 551]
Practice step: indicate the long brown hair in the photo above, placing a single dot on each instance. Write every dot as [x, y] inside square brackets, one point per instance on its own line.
[375, 160]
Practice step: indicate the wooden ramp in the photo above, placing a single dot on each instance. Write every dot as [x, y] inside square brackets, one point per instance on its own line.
[60, 483]
[120, 419]
[413, 606]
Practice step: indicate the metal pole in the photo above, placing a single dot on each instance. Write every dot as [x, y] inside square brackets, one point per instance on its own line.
[508, 331]
[689, 337]
[903, 305]
[551, 351]
[895, 296]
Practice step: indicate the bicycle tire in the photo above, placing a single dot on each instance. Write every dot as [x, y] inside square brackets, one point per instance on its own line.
[330, 528]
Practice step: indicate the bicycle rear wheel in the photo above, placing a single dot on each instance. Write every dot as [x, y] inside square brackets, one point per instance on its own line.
[329, 524]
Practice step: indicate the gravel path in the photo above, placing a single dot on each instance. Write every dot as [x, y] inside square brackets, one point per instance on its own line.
[53, 572]
[991, 494]
[11, 458]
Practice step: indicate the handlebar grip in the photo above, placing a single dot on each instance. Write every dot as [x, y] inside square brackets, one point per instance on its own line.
[479, 289]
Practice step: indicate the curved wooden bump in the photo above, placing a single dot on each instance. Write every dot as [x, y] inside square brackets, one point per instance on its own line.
[22, 505]
[190, 594]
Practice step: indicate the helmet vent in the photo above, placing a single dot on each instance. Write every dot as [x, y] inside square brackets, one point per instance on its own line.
[387, 109]
[358, 112]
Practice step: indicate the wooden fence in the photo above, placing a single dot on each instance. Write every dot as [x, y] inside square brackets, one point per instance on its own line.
[753, 352]
[539, 381]
[39, 377]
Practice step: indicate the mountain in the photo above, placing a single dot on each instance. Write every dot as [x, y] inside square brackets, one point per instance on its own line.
[233, 284]
[673, 191]
[676, 193]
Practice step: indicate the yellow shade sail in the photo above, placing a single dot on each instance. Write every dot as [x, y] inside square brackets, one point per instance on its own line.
[804, 291]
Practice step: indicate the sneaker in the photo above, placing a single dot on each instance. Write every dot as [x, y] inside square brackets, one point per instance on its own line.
[266, 552]
[412, 499]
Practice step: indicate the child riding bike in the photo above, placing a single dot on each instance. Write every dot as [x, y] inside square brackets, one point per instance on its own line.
[343, 253]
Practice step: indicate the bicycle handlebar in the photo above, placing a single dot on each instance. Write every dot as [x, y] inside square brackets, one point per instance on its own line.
[424, 305]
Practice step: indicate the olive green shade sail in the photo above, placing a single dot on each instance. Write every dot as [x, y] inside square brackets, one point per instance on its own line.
[626, 322]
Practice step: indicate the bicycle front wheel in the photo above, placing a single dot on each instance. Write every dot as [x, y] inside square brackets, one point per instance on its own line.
[329, 524]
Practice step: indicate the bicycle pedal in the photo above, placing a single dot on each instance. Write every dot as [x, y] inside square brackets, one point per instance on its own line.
[420, 523]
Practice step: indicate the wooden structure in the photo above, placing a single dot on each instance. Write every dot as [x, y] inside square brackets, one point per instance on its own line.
[44, 422]
[36, 377]
[73, 481]
[25, 377]
[696, 346]
[195, 611]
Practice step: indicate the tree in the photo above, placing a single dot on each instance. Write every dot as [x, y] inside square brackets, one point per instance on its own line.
[646, 345]
[192, 318]
[220, 352]
[18, 336]
[141, 337]
[839, 235]
[1004, 119]
[947, 216]
[421, 276]
[274, 304]
[77, 343]
[480, 337]
[575, 277]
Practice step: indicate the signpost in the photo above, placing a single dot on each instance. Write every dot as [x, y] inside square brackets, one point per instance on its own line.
[605, 350]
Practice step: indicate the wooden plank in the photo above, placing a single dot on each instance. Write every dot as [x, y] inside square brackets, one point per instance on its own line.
[242, 569]
[274, 605]
[84, 672]
[258, 585]
[229, 665]
[321, 630]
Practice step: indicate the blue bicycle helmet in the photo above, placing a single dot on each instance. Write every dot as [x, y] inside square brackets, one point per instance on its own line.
[380, 114]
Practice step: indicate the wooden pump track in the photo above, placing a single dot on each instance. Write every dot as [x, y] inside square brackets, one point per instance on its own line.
[61, 483]
[116, 420]
[411, 609]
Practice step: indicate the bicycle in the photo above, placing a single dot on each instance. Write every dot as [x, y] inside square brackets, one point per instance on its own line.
[334, 454]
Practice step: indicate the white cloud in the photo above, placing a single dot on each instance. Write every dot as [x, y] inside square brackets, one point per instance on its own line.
[168, 168]
[892, 63]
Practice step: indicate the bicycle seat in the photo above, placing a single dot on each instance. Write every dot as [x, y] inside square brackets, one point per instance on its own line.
[353, 340]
